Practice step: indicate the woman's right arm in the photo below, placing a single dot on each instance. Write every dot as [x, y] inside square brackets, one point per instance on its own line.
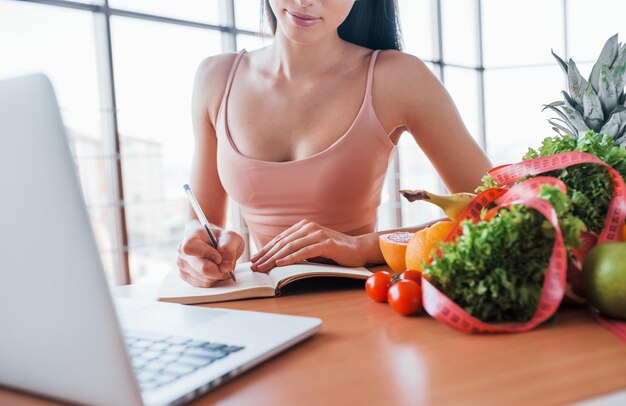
[198, 262]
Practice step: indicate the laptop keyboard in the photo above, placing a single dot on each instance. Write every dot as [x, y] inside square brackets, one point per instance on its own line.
[162, 359]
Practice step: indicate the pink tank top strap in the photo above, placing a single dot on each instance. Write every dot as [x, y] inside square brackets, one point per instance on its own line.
[348, 176]
[370, 74]
[231, 75]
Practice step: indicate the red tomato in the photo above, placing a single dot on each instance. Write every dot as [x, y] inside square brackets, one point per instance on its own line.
[377, 286]
[412, 275]
[405, 297]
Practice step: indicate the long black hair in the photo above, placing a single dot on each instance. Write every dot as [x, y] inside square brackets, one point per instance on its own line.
[372, 24]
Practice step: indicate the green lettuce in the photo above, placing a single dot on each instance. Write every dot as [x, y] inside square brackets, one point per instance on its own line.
[589, 185]
[495, 269]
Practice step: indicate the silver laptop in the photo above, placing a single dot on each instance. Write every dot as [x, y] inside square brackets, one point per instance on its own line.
[61, 335]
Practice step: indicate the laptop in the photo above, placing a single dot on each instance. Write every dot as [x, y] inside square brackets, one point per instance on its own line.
[62, 335]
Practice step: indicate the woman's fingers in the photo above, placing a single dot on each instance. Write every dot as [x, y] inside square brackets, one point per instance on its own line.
[230, 247]
[203, 265]
[318, 249]
[275, 240]
[299, 244]
[283, 242]
[188, 274]
[196, 282]
[197, 248]
[199, 268]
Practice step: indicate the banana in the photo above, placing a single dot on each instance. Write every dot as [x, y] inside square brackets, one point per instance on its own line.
[453, 205]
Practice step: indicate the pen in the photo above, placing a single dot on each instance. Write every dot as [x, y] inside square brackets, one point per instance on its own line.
[200, 214]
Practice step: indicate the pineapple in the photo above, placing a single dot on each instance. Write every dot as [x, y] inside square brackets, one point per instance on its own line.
[598, 104]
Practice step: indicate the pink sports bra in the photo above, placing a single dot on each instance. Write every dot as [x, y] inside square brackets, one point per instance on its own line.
[339, 187]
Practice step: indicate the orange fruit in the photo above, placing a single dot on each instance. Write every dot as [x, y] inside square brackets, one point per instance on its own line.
[423, 243]
[624, 233]
[393, 247]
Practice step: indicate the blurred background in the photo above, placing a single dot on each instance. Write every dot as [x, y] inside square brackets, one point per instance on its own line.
[123, 72]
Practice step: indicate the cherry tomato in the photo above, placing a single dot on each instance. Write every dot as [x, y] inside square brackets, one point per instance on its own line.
[405, 297]
[412, 275]
[377, 286]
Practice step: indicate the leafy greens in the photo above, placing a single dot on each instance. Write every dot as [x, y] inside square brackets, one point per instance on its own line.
[589, 186]
[495, 269]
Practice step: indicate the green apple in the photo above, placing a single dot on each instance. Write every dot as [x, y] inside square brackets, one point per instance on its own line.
[604, 276]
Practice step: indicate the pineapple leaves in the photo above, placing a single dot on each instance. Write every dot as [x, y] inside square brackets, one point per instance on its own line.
[592, 108]
[618, 70]
[554, 104]
[562, 130]
[570, 117]
[561, 62]
[572, 103]
[598, 103]
[607, 93]
[607, 57]
[616, 124]
[619, 109]
[575, 82]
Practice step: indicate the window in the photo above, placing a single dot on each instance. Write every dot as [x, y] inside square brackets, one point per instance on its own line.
[248, 16]
[492, 56]
[463, 86]
[418, 19]
[518, 34]
[205, 11]
[153, 102]
[67, 43]
[459, 32]
[521, 75]
[590, 24]
[61, 43]
[250, 42]
[513, 117]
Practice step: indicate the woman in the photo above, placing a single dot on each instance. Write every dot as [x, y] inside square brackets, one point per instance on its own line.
[300, 133]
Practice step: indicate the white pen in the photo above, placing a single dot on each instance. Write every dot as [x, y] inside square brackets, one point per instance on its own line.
[200, 214]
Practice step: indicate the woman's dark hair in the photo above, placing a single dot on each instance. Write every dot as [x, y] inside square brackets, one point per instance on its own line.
[372, 24]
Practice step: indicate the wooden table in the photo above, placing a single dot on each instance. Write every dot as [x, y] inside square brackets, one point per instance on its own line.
[367, 354]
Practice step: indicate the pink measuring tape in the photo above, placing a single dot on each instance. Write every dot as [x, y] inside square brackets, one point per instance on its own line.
[440, 307]
[506, 175]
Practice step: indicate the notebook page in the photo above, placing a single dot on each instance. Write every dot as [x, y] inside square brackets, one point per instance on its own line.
[304, 269]
[173, 286]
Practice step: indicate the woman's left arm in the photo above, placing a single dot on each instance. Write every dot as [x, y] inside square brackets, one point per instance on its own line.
[423, 107]
[406, 96]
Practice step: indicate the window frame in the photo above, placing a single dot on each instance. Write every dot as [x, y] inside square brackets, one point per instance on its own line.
[102, 15]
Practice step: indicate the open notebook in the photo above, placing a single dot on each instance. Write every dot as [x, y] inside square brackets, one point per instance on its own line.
[250, 284]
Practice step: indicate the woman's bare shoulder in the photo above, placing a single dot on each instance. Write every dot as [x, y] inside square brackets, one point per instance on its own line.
[210, 81]
[403, 84]
[397, 67]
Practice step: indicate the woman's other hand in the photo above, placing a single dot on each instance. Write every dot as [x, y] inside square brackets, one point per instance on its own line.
[202, 265]
[306, 240]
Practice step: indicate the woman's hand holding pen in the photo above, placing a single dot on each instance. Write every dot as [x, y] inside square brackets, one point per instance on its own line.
[307, 240]
[202, 265]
